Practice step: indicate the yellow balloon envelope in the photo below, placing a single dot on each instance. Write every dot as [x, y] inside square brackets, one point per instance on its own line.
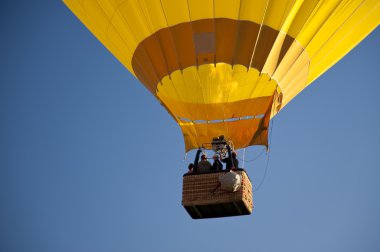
[225, 67]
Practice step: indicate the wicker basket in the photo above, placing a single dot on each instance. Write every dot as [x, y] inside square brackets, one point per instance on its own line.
[203, 198]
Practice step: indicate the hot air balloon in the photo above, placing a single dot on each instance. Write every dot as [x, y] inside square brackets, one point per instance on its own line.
[226, 67]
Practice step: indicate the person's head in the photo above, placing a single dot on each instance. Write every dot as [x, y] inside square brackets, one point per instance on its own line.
[191, 167]
[215, 157]
[204, 157]
[234, 154]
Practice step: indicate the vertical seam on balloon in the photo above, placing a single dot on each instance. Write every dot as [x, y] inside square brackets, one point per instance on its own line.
[192, 115]
[196, 57]
[296, 41]
[214, 65]
[148, 20]
[179, 63]
[315, 10]
[286, 14]
[191, 112]
[196, 62]
[258, 36]
[198, 79]
[143, 8]
[111, 24]
[195, 53]
[110, 19]
[226, 97]
[368, 13]
[176, 52]
[286, 33]
[158, 80]
[340, 26]
[107, 32]
[322, 25]
[171, 34]
[145, 53]
[178, 95]
[290, 86]
[192, 31]
[260, 76]
[160, 47]
[214, 30]
[290, 67]
[312, 38]
[236, 35]
[245, 81]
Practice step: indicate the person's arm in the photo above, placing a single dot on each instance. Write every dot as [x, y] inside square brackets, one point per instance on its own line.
[196, 160]
[229, 151]
[230, 157]
[236, 163]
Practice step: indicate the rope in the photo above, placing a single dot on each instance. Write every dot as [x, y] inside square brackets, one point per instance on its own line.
[251, 160]
[258, 36]
[268, 156]
[243, 158]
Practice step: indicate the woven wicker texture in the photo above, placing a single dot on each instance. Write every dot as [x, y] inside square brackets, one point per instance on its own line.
[202, 189]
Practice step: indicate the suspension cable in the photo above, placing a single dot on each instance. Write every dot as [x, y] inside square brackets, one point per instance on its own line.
[254, 159]
[267, 161]
[243, 158]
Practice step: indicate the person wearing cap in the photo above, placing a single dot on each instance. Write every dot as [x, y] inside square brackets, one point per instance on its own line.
[231, 161]
[217, 165]
[204, 165]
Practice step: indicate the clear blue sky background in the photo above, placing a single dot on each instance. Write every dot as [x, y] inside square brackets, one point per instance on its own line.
[89, 160]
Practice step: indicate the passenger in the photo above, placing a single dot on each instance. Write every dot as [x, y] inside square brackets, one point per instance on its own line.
[231, 161]
[235, 161]
[191, 168]
[217, 165]
[204, 165]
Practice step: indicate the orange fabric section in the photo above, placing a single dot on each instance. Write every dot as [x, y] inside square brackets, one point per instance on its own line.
[243, 133]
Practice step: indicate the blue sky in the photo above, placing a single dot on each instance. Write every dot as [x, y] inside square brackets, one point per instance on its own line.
[89, 160]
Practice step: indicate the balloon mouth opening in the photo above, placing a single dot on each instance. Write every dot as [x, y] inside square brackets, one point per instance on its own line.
[210, 94]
